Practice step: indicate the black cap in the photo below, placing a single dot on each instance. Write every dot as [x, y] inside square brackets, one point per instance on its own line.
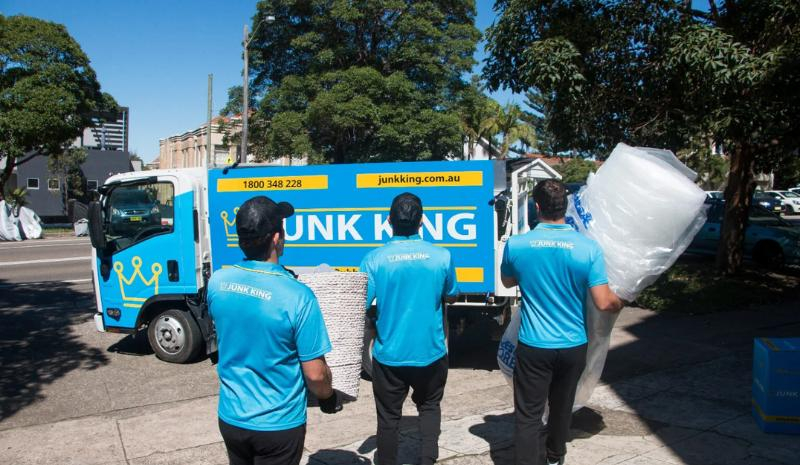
[260, 217]
[406, 210]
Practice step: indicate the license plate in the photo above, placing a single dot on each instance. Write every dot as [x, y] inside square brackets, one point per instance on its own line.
[135, 218]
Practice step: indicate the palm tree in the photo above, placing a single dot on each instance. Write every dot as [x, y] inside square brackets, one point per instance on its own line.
[478, 115]
[509, 122]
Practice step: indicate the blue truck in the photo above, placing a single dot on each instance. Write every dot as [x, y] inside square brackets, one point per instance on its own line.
[157, 236]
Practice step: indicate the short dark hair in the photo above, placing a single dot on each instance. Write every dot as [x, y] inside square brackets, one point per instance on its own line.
[551, 196]
[405, 215]
[257, 221]
[258, 248]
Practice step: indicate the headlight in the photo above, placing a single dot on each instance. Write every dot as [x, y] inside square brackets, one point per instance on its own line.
[116, 212]
[154, 210]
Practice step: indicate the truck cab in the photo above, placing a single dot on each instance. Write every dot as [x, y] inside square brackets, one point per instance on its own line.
[148, 258]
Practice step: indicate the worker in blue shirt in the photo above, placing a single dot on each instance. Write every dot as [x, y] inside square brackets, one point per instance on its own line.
[272, 343]
[555, 267]
[409, 278]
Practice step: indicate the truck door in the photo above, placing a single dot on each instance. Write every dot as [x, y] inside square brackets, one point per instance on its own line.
[149, 228]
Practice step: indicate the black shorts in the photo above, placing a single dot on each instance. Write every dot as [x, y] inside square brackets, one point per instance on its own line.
[248, 447]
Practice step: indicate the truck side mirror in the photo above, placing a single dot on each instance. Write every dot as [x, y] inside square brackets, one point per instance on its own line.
[96, 230]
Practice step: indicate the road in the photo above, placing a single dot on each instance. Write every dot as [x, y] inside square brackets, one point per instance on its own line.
[64, 260]
[676, 388]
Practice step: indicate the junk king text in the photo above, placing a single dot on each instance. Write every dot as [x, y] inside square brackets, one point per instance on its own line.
[375, 227]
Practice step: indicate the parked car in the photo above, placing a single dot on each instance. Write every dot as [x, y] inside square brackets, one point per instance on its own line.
[790, 200]
[769, 240]
[132, 210]
[768, 202]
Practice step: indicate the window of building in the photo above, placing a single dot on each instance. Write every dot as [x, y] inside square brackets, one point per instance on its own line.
[33, 183]
[53, 184]
[91, 184]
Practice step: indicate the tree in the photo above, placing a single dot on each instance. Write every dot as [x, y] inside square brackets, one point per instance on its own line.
[360, 81]
[575, 170]
[477, 114]
[67, 168]
[661, 74]
[513, 128]
[48, 91]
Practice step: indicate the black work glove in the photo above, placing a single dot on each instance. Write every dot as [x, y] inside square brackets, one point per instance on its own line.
[331, 404]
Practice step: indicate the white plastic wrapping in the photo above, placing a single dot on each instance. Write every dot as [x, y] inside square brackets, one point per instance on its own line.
[9, 227]
[30, 223]
[644, 209]
[17, 224]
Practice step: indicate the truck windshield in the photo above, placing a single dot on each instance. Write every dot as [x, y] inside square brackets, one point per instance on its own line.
[138, 211]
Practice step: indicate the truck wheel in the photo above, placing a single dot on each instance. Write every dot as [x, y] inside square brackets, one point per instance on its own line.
[768, 254]
[174, 336]
[366, 353]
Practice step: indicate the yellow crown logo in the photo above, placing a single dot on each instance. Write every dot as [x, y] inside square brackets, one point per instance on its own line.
[232, 236]
[119, 268]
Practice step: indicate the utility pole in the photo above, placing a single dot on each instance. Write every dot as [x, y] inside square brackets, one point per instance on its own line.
[209, 149]
[245, 110]
[245, 87]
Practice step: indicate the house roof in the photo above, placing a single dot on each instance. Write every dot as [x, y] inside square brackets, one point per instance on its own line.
[553, 161]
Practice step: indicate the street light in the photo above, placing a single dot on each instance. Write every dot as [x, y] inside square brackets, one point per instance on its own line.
[269, 19]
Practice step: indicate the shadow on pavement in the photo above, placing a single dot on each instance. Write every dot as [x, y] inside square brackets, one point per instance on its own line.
[342, 457]
[498, 431]
[132, 344]
[37, 343]
[683, 380]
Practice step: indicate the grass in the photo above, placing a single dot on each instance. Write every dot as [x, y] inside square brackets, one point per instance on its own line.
[691, 286]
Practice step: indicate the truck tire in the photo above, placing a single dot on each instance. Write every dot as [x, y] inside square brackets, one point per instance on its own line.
[174, 336]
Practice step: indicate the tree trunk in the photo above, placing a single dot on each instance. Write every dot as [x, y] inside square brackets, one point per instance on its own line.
[741, 185]
[5, 175]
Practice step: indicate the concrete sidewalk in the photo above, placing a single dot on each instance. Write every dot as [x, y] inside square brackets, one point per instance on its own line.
[677, 391]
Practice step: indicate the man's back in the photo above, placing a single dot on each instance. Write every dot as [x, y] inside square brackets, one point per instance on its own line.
[267, 323]
[555, 266]
[409, 277]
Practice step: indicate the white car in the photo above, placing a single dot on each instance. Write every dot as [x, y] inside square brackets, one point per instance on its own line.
[791, 201]
[796, 190]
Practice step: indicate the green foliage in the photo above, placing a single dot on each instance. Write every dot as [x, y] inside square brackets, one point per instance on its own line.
[712, 169]
[354, 82]
[17, 198]
[659, 74]
[575, 170]
[691, 287]
[477, 115]
[66, 166]
[48, 90]
[513, 128]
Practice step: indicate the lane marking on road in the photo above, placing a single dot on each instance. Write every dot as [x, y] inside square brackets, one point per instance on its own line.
[47, 260]
[43, 245]
[45, 283]
[28, 241]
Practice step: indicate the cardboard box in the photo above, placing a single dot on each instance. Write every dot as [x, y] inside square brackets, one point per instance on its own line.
[776, 384]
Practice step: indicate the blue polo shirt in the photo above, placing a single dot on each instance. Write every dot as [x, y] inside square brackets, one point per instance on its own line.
[267, 323]
[555, 266]
[409, 277]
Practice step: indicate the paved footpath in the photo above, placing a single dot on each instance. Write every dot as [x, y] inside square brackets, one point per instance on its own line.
[676, 391]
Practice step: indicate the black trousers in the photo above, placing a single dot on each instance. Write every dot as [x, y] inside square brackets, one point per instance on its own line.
[542, 375]
[248, 447]
[390, 385]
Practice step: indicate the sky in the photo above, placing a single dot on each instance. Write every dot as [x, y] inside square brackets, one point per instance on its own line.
[155, 56]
